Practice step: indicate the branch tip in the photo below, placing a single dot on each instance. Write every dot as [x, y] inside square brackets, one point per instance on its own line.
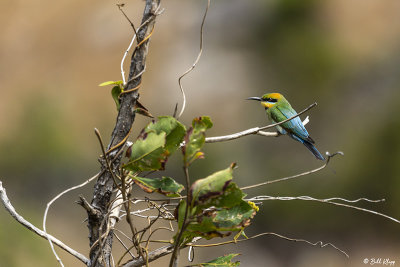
[86, 205]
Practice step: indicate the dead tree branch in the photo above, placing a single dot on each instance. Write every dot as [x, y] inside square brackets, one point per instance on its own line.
[296, 175]
[103, 189]
[151, 256]
[7, 204]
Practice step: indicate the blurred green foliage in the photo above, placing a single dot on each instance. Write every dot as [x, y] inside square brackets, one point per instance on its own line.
[20, 247]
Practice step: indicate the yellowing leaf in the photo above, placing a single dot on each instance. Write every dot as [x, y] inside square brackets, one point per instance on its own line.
[195, 139]
[165, 185]
[110, 83]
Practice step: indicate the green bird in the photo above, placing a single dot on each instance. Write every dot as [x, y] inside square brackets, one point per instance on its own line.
[279, 109]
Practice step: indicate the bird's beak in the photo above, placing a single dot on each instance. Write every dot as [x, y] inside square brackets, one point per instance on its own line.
[254, 98]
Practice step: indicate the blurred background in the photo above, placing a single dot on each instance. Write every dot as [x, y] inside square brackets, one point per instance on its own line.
[343, 54]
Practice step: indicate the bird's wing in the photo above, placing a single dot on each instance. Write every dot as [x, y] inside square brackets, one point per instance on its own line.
[294, 126]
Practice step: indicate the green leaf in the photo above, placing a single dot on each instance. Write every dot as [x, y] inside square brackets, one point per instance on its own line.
[115, 92]
[211, 186]
[203, 122]
[165, 185]
[234, 218]
[181, 213]
[230, 197]
[195, 139]
[156, 143]
[110, 83]
[217, 207]
[219, 222]
[174, 130]
[148, 153]
[223, 261]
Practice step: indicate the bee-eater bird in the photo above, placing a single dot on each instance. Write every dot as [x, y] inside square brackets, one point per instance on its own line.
[278, 109]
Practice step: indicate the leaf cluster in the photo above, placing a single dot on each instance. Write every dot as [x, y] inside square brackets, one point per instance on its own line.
[214, 206]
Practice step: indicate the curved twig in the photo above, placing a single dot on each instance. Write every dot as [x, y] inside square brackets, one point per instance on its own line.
[52, 201]
[195, 62]
[132, 41]
[8, 206]
[320, 243]
[262, 198]
[296, 175]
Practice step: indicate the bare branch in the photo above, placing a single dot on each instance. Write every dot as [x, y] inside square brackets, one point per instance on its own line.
[332, 201]
[318, 243]
[86, 205]
[174, 257]
[123, 244]
[7, 204]
[257, 130]
[169, 248]
[296, 175]
[155, 254]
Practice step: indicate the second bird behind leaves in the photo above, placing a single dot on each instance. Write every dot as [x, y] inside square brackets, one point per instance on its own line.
[279, 109]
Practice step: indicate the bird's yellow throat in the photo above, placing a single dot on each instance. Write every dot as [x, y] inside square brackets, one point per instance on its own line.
[267, 105]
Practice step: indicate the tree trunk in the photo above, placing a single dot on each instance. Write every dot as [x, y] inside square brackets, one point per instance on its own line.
[100, 253]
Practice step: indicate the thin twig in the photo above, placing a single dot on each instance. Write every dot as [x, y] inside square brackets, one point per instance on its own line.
[125, 235]
[127, 207]
[105, 156]
[123, 244]
[332, 201]
[155, 254]
[130, 44]
[184, 225]
[257, 130]
[262, 198]
[195, 62]
[296, 175]
[7, 204]
[66, 191]
[320, 243]
[120, 6]
[168, 249]
[53, 200]
[156, 13]
[358, 208]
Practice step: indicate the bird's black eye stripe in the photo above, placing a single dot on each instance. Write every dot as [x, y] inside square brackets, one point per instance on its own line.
[271, 100]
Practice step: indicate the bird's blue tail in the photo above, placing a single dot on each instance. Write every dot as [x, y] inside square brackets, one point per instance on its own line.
[313, 150]
[310, 146]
